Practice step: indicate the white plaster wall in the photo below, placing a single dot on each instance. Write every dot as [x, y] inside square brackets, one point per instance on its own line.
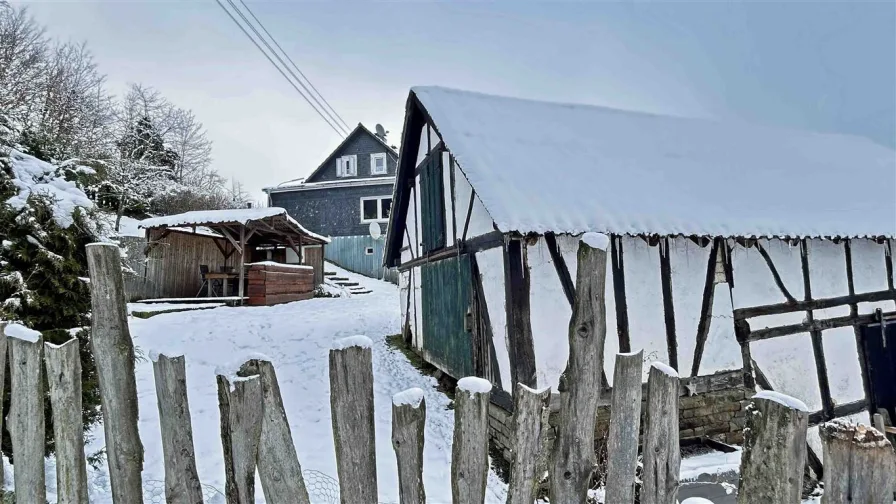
[644, 299]
[754, 284]
[689, 262]
[417, 307]
[491, 269]
[404, 291]
[789, 364]
[827, 275]
[480, 220]
[721, 351]
[423, 149]
[550, 314]
[869, 272]
[842, 357]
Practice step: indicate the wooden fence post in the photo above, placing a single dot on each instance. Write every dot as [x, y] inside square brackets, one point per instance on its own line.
[113, 351]
[528, 409]
[26, 413]
[860, 465]
[63, 363]
[469, 451]
[181, 479]
[408, 422]
[662, 454]
[242, 410]
[625, 424]
[278, 463]
[574, 460]
[2, 386]
[774, 456]
[351, 405]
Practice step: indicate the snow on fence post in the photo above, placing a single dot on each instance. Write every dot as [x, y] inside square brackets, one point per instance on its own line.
[182, 484]
[351, 405]
[774, 456]
[574, 460]
[625, 424]
[408, 422]
[113, 351]
[241, 406]
[528, 410]
[469, 451]
[860, 465]
[63, 363]
[278, 463]
[662, 454]
[26, 413]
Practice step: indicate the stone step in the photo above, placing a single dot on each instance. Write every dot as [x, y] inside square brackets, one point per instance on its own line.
[329, 273]
[348, 284]
[365, 291]
[338, 279]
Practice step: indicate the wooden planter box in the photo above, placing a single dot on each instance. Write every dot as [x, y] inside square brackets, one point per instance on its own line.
[271, 284]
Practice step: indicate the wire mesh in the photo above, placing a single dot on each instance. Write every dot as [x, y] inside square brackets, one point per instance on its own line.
[322, 489]
[154, 493]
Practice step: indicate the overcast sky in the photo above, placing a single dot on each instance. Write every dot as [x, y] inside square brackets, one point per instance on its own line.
[826, 66]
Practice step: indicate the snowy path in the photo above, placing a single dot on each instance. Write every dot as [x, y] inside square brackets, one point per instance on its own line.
[297, 338]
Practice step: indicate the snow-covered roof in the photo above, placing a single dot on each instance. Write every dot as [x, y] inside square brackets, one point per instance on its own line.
[238, 215]
[301, 185]
[540, 166]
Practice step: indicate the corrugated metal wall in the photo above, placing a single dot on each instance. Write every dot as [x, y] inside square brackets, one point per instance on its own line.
[350, 252]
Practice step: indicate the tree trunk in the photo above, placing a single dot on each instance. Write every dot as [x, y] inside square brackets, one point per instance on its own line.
[469, 451]
[528, 409]
[625, 424]
[351, 405]
[774, 456]
[408, 423]
[241, 402]
[573, 455]
[662, 454]
[122, 198]
[26, 420]
[113, 351]
[63, 365]
[182, 484]
[860, 465]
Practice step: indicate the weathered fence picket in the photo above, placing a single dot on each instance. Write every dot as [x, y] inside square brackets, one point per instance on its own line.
[528, 411]
[573, 454]
[625, 424]
[771, 467]
[860, 464]
[113, 352]
[662, 453]
[26, 416]
[351, 408]
[182, 484]
[3, 345]
[63, 364]
[242, 409]
[469, 449]
[408, 423]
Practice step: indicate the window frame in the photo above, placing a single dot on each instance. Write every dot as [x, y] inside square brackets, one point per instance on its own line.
[373, 158]
[340, 163]
[379, 209]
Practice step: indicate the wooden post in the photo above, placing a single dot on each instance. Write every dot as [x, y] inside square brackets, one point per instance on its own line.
[242, 271]
[625, 424]
[408, 422]
[574, 461]
[181, 479]
[528, 409]
[113, 351]
[351, 405]
[774, 456]
[662, 454]
[278, 464]
[63, 365]
[2, 386]
[26, 413]
[469, 451]
[860, 465]
[241, 404]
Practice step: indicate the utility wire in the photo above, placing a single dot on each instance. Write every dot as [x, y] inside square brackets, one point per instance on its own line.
[246, 33]
[274, 40]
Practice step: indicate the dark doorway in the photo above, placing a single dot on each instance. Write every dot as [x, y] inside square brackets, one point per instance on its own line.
[879, 341]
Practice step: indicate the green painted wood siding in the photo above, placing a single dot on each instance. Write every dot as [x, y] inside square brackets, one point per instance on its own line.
[447, 295]
[432, 196]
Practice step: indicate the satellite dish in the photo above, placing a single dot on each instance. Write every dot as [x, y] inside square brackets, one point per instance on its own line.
[380, 131]
[375, 231]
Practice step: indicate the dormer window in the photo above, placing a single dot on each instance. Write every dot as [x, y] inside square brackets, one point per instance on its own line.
[378, 164]
[347, 166]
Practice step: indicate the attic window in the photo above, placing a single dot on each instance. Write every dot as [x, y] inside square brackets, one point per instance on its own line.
[347, 166]
[368, 251]
[378, 164]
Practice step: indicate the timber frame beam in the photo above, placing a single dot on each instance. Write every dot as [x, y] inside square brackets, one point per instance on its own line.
[519, 323]
[618, 271]
[487, 241]
[703, 324]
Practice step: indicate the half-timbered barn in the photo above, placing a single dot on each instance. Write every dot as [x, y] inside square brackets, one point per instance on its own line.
[743, 256]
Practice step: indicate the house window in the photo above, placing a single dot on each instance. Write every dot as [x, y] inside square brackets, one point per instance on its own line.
[347, 166]
[376, 208]
[378, 164]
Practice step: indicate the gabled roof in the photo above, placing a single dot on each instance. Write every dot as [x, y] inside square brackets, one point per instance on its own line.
[540, 166]
[359, 129]
[274, 219]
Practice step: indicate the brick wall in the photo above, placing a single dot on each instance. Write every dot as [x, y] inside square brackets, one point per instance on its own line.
[710, 406]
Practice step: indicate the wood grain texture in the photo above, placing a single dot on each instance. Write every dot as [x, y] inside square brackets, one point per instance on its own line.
[113, 351]
[625, 425]
[469, 450]
[63, 365]
[860, 465]
[528, 410]
[408, 423]
[662, 454]
[351, 407]
[182, 484]
[3, 351]
[241, 402]
[573, 455]
[26, 419]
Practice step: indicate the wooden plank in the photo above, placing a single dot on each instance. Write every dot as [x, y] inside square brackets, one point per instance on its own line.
[469, 448]
[487, 241]
[662, 454]
[241, 404]
[839, 411]
[816, 325]
[3, 361]
[63, 365]
[566, 282]
[857, 330]
[861, 464]
[888, 263]
[519, 324]
[815, 304]
[469, 215]
[453, 197]
[703, 324]
[113, 350]
[530, 406]
[821, 367]
[668, 304]
[408, 423]
[625, 424]
[25, 421]
[618, 270]
[775, 274]
[573, 453]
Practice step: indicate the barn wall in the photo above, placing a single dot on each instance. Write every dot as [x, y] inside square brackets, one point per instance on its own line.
[172, 266]
[491, 272]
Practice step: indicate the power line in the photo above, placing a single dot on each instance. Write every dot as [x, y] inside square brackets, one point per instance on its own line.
[274, 40]
[334, 126]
